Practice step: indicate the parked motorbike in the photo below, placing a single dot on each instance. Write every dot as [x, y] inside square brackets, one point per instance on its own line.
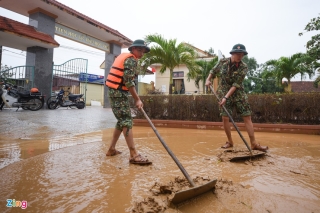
[3, 100]
[29, 100]
[73, 100]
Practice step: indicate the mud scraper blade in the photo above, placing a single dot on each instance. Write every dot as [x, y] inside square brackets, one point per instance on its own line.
[193, 192]
[245, 156]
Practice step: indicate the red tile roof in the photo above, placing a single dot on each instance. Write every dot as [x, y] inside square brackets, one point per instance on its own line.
[25, 30]
[87, 19]
[303, 86]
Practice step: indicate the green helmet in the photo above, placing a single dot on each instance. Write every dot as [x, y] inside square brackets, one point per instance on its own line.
[139, 43]
[239, 48]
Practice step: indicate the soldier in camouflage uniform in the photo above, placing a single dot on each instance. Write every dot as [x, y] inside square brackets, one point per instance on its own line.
[231, 72]
[120, 103]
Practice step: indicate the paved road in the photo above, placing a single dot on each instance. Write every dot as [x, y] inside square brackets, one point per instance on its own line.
[26, 133]
[62, 121]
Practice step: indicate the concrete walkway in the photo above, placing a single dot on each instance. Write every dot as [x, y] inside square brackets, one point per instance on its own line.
[24, 133]
[59, 122]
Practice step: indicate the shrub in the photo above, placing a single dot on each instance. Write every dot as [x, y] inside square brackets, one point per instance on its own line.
[295, 108]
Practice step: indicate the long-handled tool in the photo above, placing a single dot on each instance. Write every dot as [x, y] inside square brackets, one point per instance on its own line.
[234, 124]
[189, 193]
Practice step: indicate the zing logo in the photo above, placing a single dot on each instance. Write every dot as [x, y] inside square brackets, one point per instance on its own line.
[16, 203]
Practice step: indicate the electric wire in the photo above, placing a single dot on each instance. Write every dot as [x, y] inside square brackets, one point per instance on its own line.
[82, 50]
[90, 52]
[13, 52]
[6, 54]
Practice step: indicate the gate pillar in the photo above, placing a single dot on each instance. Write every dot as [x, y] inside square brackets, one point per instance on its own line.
[41, 58]
[115, 50]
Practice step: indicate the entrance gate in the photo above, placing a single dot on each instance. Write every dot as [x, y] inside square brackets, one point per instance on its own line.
[22, 76]
[71, 74]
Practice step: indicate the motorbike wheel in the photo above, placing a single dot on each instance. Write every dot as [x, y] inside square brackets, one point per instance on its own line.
[53, 105]
[81, 105]
[51, 99]
[36, 104]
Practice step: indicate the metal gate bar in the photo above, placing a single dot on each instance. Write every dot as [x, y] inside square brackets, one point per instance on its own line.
[22, 76]
[68, 75]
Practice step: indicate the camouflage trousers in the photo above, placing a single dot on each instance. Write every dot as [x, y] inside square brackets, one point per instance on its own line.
[121, 109]
[239, 101]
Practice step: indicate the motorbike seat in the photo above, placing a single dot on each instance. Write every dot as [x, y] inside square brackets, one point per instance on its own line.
[28, 94]
[75, 95]
[24, 93]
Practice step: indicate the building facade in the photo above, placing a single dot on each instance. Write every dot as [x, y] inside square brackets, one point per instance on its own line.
[181, 85]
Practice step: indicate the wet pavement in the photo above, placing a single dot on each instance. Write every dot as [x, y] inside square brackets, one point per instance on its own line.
[63, 121]
[55, 160]
[30, 128]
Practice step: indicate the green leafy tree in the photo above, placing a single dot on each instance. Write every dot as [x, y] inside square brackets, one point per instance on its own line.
[252, 65]
[264, 83]
[210, 51]
[313, 46]
[256, 82]
[316, 83]
[202, 73]
[170, 55]
[4, 67]
[288, 67]
[4, 74]
[252, 79]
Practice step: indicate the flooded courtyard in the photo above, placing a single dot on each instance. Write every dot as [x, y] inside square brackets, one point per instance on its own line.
[69, 172]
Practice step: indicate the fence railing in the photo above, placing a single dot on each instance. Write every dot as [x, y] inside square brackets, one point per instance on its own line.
[21, 76]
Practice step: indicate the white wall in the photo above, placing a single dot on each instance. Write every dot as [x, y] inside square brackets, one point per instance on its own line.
[94, 93]
[163, 79]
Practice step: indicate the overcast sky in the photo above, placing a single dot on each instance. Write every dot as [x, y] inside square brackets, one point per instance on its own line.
[268, 28]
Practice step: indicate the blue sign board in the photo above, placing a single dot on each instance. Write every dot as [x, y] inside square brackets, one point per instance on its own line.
[91, 78]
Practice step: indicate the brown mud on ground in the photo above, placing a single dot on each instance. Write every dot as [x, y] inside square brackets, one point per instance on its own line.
[70, 172]
[161, 194]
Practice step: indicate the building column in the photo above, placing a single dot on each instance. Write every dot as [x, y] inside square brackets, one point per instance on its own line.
[39, 57]
[0, 57]
[115, 50]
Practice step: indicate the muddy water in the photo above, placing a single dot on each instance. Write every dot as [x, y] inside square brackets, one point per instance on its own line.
[72, 174]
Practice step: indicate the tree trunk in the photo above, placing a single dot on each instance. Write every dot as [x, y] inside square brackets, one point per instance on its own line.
[171, 82]
[170, 88]
[288, 87]
[204, 88]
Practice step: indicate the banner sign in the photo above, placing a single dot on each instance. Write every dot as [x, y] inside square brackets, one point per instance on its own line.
[77, 36]
[91, 78]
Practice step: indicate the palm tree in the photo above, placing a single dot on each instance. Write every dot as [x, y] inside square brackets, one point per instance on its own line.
[170, 55]
[202, 73]
[288, 67]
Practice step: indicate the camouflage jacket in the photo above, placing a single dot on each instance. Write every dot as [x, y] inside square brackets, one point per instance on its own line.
[230, 75]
